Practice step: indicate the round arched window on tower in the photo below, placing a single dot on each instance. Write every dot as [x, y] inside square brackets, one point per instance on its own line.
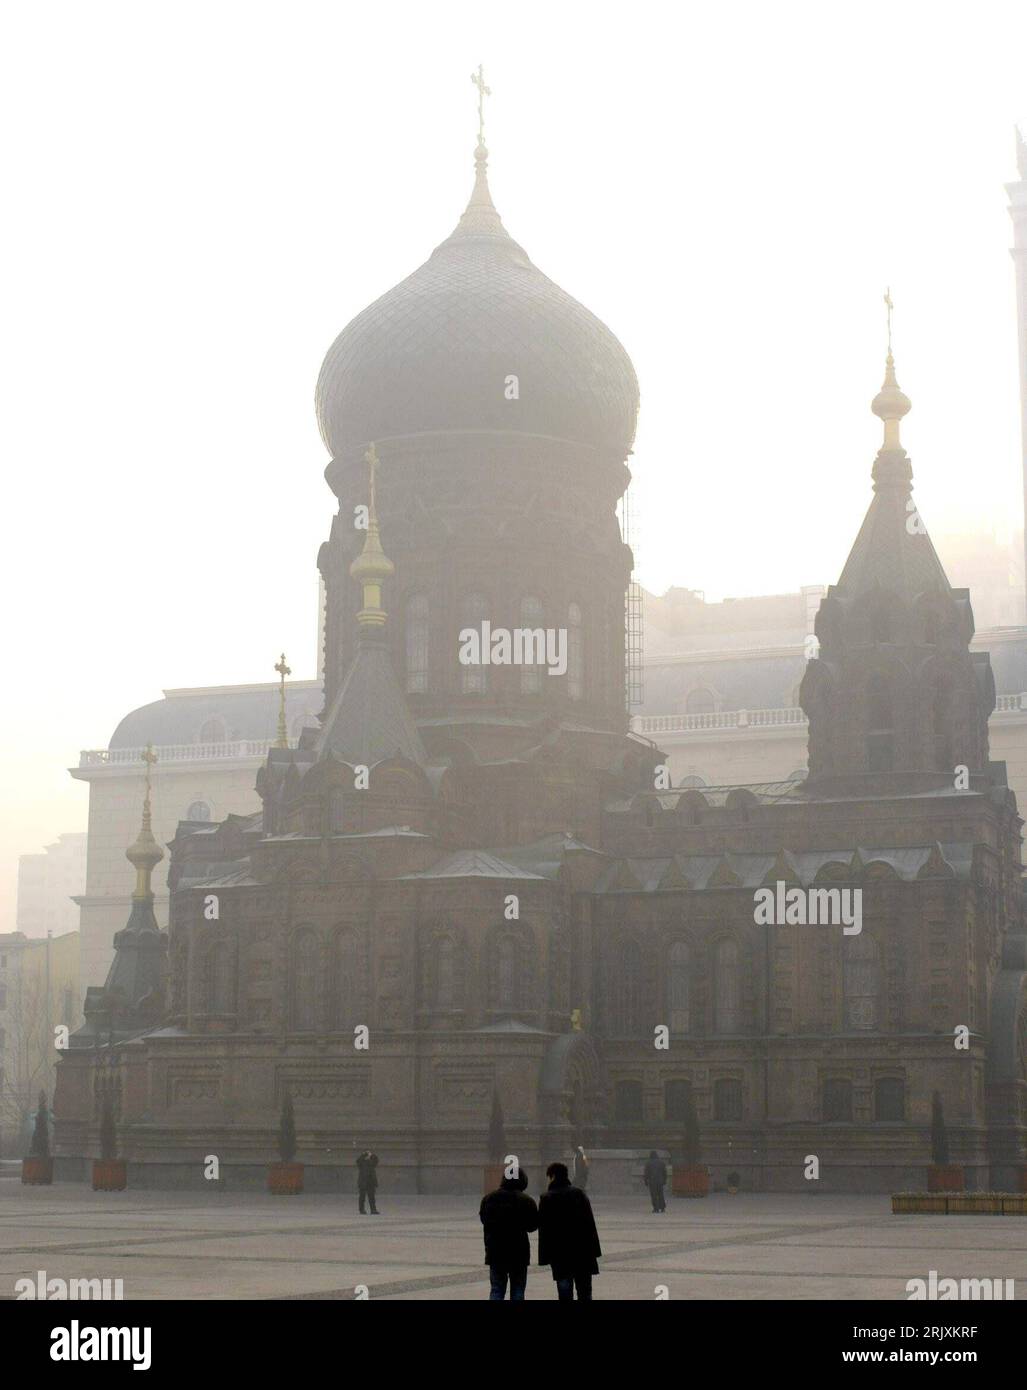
[199, 810]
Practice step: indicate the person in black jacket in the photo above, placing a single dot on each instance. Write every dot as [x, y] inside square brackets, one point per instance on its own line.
[580, 1168]
[367, 1181]
[508, 1214]
[654, 1175]
[567, 1237]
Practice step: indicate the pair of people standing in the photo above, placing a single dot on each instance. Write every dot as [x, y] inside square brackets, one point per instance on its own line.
[567, 1237]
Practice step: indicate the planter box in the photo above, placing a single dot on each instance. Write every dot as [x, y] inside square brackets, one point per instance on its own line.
[693, 1181]
[947, 1177]
[491, 1176]
[37, 1172]
[284, 1179]
[110, 1175]
[924, 1203]
[960, 1203]
[1014, 1204]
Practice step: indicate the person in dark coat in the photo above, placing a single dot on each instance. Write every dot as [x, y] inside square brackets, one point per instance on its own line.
[567, 1237]
[367, 1181]
[580, 1168]
[508, 1214]
[654, 1175]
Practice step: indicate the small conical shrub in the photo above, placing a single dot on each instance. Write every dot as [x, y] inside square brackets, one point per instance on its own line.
[497, 1131]
[108, 1131]
[287, 1131]
[939, 1134]
[41, 1133]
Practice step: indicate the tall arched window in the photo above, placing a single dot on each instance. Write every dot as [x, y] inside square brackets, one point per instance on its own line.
[347, 981]
[880, 731]
[861, 980]
[889, 1098]
[219, 979]
[679, 987]
[417, 643]
[627, 990]
[473, 678]
[575, 653]
[941, 726]
[532, 621]
[445, 973]
[338, 804]
[304, 982]
[727, 984]
[213, 730]
[505, 973]
[701, 701]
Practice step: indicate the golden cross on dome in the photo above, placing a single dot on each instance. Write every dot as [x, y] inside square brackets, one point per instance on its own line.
[478, 78]
[283, 733]
[890, 306]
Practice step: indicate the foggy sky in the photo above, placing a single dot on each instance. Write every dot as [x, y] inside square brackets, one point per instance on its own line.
[199, 197]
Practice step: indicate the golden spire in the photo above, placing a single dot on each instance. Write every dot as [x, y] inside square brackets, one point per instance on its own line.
[283, 733]
[890, 404]
[372, 566]
[146, 853]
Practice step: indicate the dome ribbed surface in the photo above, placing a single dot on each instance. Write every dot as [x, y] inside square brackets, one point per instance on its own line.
[434, 353]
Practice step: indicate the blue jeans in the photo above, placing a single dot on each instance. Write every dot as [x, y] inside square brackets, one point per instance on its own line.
[498, 1276]
[566, 1284]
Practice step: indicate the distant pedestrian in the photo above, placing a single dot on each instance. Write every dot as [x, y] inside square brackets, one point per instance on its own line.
[367, 1181]
[654, 1175]
[567, 1237]
[508, 1214]
[580, 1168]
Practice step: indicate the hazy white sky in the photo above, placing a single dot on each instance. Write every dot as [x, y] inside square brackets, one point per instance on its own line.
[199, 196]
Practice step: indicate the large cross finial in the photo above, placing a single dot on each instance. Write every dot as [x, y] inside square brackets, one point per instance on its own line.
[890, 306]
[478, 78]
[283, 732]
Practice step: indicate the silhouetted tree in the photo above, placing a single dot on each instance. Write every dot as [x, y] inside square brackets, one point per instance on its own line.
[939, 1134]
[287, 1131]
[41, 1132]
[691, 1138]
[108, 1131]
[497, 1131]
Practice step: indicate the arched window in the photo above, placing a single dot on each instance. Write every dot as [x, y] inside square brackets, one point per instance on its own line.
[627, 1102]
[941, 726]
[347, 981]
[337, 806]
[417, 643]
[694, 780]
[889, 1098]
[198, 810]
[508, 972]
[213, 730]
[627, 990]
[727, 983]
[880, 731]
[679, 987]
[575, 653]
[727, 1098]
[304, 982]
[473, 678]
[445, 973]
[861, 980]
[837, 1099]
[219, 979]
[701, 701]
[532, 622]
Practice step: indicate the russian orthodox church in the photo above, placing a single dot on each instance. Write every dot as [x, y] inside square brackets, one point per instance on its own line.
[471, 882]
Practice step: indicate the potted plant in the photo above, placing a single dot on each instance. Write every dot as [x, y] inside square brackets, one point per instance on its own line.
[942, 1176]
[492, 1172]
[286, 1177]
[691, 1177]
[37, 1167]
[110, 1173]
[734, 1182]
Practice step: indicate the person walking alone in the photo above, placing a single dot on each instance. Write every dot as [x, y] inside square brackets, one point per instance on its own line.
[580, 1168]
[654, 1175]
[567, 1237]
[367, 1182]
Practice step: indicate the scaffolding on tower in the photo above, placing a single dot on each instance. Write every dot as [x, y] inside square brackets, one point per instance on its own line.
[633, 687]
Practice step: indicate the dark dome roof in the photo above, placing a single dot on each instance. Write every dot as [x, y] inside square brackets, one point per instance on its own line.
[434, 353]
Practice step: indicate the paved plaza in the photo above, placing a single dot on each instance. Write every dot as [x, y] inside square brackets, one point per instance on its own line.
[248, 1245]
